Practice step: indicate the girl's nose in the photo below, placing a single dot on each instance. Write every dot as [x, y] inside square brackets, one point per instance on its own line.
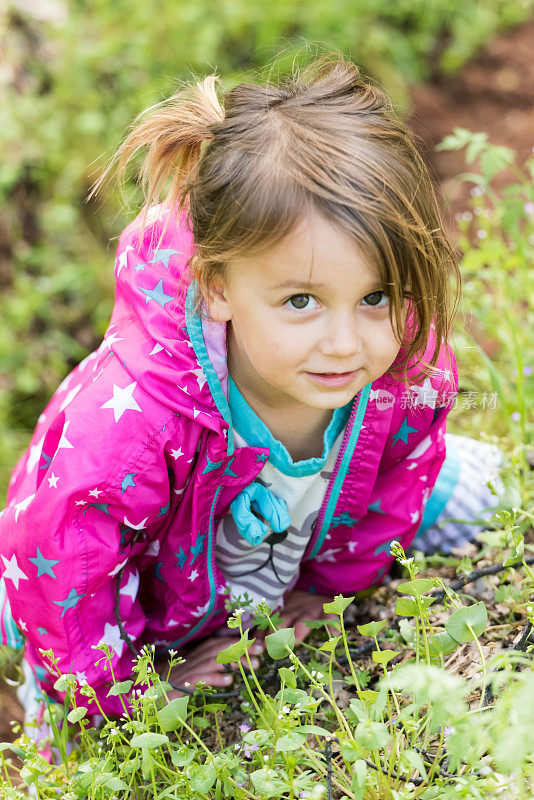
[342, 338]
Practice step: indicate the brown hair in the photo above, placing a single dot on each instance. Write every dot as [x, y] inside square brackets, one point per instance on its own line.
[247, 167]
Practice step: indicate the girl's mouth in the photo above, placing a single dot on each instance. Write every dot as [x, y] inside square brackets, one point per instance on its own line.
[333, 380]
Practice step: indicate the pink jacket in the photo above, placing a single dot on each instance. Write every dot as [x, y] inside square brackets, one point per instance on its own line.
[132, 465]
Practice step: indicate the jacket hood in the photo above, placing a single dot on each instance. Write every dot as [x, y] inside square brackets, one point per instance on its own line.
[154, 331]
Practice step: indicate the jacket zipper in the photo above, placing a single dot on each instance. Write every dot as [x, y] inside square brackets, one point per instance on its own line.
[359, 408]
[326, 498]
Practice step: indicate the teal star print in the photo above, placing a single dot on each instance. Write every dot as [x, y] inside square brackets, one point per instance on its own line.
[376, 507]
[343, 519]
[44, 565]
[41, 630]
[162, 256]
[182, 557]
[47, 459]
[163, 510]
[262, 458]
[211, 465]
[385, 547]
[157, 294]
[157, 572]
[128, 481]
[229, 471]
[197, 548]
[99, 507]
[404, 432]
[71, 601]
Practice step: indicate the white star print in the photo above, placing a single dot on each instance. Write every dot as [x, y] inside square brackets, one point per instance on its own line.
[123, 259]
[193, 576]
[80, 502]
[130, 590]
[153, 548]
[22, 625]
[117, 568]
[70, 396]
[421, 448]
[109, 340]
[201, 378]
[95, 492]
[179, 491]
[112, 637]
[35, 455]
[22, 506]
[196, 412]
[81, 677]
[157, 348]
[328, 555]
[177, 453]
[13, 571]
[52, 480]
[200, 610]
[352, 547]
[426, 395]
[140, 527]
[64, 442]
[99, 374]
[122, 400]
[414, 515]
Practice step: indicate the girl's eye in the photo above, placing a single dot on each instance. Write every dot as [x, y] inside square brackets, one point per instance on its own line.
[300, 302]
[375, 295]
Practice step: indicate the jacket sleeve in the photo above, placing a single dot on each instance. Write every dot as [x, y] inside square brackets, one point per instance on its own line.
[90, 513]
[359, 557]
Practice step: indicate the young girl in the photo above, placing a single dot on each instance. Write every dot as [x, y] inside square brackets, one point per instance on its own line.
[267, 411]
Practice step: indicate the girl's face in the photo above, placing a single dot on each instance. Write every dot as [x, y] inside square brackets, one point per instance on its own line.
[308, 320]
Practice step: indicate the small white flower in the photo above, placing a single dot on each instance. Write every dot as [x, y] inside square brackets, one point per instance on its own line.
[481, 233]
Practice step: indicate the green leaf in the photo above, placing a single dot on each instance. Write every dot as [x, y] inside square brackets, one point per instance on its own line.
[235, 651]
[266, 782]
[475, 616]
[202, 776]
[173, 714]
[359, 780]
[259, 737]
[350, 751]
[109, 781]
[406, 607]
[182, 756]
[290, 741]
[417, 587]
[414, 760]
[383, 656]
[372, 628]
[368, 696]
[288, 676]
[338, 605]
[280, 643]
[77, 714]
[442, 644]
[120, 688]
[315, 729]
[330, 645]
[149, 740]
[372, 735]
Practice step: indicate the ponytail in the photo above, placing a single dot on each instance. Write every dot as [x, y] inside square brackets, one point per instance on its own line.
[174, 132]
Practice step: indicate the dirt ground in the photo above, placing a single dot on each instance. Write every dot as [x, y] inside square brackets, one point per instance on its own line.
[494, 93]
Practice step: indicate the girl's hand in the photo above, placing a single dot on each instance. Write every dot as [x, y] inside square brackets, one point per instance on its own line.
[301, 607]
[201, 664]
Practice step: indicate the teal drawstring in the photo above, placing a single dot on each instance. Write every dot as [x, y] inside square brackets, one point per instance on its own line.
[257, 497]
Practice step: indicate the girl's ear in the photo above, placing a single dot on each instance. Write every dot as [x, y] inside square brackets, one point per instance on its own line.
[216, 300]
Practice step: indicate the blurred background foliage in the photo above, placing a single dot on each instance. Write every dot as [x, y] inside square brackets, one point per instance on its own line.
[72, 78]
